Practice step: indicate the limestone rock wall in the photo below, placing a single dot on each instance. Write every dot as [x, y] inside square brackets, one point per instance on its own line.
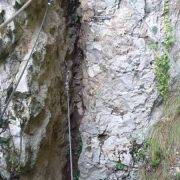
[37, 112]
[120, 95]
[113, 94]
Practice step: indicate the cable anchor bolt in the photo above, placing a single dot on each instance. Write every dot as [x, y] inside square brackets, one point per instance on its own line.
[50, 2]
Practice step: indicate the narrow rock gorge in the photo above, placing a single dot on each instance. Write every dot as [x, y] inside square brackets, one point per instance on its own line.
[111, 67]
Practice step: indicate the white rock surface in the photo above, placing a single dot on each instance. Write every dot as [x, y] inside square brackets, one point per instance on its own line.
[120, 95]
[37, 112]
[119, 91]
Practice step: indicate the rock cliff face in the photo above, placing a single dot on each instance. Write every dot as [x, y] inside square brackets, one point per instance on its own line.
[113, 96]
[37, 112]
[120, 95]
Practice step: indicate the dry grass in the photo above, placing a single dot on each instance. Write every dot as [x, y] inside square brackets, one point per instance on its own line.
[163, 144]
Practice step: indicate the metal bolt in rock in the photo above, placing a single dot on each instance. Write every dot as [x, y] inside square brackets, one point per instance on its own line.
[50, 2]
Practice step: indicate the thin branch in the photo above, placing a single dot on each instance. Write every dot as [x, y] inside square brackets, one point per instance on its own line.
[16, 14]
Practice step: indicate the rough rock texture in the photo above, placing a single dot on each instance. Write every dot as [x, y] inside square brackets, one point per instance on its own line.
[37, 113]
[113, 89]
[120, 96]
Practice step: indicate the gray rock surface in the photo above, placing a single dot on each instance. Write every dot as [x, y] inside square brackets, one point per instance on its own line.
[37, 112]
[120, 96]
[119, 102]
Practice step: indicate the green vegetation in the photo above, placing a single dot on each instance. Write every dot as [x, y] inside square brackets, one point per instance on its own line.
[76, 175]
[13, 163]
[177, 176]
[162, 65]
[79, 147]
[154, 29]
[139, 152]
[3, 123]
[162, 75]
[152, 45]
[120, 166]
[160, 151]
[77, 154]
[3, 141]
[11, 155]
[2, 13]
[169, 37]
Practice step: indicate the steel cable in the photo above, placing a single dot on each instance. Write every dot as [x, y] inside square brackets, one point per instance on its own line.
[22, 73]
[69, 121]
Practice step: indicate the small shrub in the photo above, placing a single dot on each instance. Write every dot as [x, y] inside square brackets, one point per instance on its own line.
[162, 76]
[120, 166]
[152, 46]
[162, 65]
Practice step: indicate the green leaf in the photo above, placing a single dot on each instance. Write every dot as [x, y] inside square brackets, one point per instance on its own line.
[120, 167]
[3, 140]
